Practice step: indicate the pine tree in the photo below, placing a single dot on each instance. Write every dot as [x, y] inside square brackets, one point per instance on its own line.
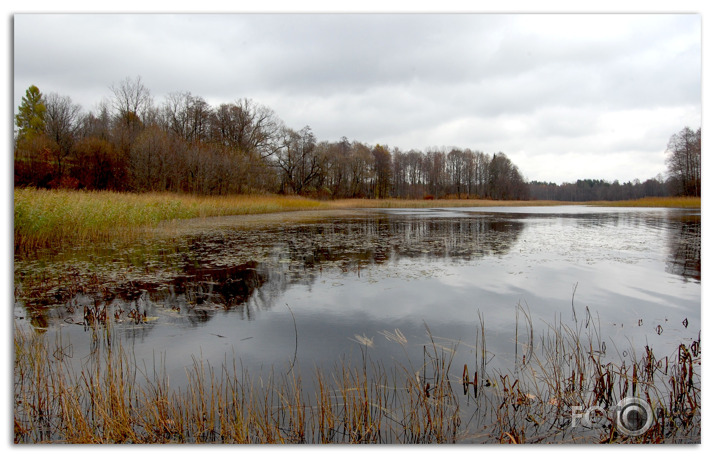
[30, 119]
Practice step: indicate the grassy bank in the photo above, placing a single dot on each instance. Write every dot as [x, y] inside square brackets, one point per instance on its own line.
[666, 202]
[46, 218]
[441, 203]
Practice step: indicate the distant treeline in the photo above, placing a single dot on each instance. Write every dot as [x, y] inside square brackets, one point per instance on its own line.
[183, 144]
[588, 190]
[684, 177]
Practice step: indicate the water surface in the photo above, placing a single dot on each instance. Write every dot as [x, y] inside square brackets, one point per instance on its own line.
[310, 292]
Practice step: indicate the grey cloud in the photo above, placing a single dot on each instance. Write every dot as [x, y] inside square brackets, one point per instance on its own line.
[528, 85]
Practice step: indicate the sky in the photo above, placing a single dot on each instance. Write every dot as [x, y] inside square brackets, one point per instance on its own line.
[565, 96]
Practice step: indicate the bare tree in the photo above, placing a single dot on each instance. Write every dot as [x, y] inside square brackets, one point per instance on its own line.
[683, 162]
[335, 158]
[415, 173]
[97, 124]
[187, 116]
[298, 160]
[360, 169]
[399, 173]
[435, 168]
[456, 166]
[131, 98]
[250, 128]
[153, 161]
[382, 164]
[61, 123]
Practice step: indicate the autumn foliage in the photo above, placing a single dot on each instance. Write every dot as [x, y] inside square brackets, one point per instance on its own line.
[184, 145]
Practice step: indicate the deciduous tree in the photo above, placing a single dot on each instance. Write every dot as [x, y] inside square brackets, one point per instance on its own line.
[61, 123]
[684, 161]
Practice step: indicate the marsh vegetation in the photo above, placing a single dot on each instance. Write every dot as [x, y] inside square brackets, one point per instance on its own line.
[45, 218]
[112, 398]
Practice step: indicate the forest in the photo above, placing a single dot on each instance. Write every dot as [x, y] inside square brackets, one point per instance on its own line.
[185, 145]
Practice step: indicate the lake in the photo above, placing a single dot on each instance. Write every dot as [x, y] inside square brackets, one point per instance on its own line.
[308, 290]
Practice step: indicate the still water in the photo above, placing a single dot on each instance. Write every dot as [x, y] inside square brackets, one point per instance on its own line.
[308, 292]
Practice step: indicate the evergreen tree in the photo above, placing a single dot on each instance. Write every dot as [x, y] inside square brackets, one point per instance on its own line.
[30, 119]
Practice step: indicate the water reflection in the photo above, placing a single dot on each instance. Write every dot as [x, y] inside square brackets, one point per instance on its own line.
[246, 271]
[314, 294]
[213, 273]
[684, 248]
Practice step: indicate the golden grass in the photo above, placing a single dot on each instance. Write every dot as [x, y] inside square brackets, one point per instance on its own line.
[110, 399]
[49, 217]
[439, 203]
[114, 398]
[666, 202]
[46, 218]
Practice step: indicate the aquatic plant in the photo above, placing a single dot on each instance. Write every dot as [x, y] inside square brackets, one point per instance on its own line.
[111, 397]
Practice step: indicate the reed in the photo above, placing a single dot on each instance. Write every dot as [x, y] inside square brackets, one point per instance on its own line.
[105, 400]
[665, 202]
[574, 369]
[48, 217]
[439, 203]
[112, 398]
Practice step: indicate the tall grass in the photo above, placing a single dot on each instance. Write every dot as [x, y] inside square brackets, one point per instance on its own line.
[667, 202]
[440, 203]
[47, 217]
[110, 397]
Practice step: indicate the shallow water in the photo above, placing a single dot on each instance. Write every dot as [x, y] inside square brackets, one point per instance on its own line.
[312, 292]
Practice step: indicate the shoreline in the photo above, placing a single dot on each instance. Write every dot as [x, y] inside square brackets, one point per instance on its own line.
[46, 218]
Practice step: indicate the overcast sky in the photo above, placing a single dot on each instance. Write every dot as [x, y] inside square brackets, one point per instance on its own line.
[564, 96]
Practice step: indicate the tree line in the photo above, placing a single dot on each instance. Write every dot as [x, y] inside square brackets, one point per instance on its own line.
[183, 144]
[590, 190]
[683, 178]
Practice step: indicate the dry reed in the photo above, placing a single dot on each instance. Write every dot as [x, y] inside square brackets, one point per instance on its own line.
[44, 218]
[111, 398]
[48, 217]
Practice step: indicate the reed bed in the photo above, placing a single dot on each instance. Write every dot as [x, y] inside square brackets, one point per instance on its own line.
[111, 397]
[440, 203]
[48, 217]
[568, 374]
[664, 202]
